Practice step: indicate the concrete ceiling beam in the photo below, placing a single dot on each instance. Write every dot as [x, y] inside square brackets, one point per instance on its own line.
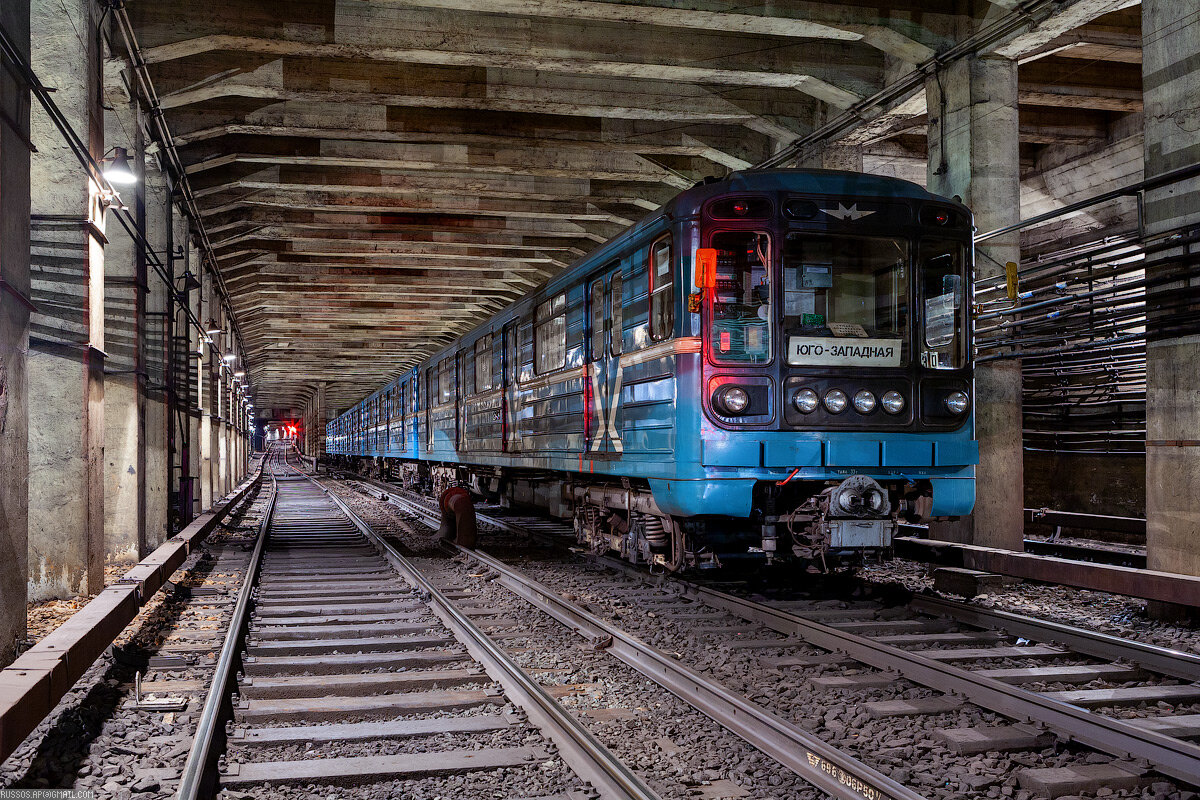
[880, 37]
[801, 81]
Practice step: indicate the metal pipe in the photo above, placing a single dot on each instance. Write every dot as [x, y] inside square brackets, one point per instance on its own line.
[1157, 182]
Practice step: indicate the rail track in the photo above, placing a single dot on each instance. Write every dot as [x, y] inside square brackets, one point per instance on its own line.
[1053, 686]
[353, 663]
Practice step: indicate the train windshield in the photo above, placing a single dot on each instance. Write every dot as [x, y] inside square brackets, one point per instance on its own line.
[943, 343]
[845, 300]
[741, 309]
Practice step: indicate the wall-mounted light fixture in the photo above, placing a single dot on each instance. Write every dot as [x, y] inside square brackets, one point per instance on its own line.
[116, 169]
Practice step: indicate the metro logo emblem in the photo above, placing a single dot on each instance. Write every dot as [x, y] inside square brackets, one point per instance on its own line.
[851, 214]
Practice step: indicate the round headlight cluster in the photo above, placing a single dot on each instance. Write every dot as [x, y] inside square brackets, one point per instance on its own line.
[806, 401]
[864, 402]
[731, 400]
[957, 402]
[835, 401]
[892, 402]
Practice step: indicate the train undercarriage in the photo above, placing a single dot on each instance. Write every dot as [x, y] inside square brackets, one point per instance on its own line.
[818, 525]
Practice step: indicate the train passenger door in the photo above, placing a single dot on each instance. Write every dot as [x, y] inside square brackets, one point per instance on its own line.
[606, 320]
[430, 397]
[460, 374]
[510, 435]
[596, 380]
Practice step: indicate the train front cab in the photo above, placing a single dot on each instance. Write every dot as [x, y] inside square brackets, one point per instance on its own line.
[835, 382]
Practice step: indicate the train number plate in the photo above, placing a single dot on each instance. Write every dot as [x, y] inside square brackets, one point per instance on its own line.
[843, 352]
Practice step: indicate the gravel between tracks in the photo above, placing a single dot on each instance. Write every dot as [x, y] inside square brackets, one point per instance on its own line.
[1099, 611]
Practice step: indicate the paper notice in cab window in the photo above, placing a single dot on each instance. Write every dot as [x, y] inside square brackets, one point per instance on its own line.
[939, 320]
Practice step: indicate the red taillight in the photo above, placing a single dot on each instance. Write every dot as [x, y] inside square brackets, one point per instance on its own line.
[741, 208]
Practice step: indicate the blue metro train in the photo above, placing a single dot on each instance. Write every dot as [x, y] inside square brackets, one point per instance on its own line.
[776, 363]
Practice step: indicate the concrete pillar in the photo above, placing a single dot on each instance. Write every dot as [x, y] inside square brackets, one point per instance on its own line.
[192, 374]
[157, 472]
[322, 417]
[973, 153]
[66, 341]
[1171, 82]
[836, 156]
[125, 539]
[204, 392]
[14, 336]
[221, 410]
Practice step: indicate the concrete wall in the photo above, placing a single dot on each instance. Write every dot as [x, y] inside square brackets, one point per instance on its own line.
[1091, 484]
[14, 337]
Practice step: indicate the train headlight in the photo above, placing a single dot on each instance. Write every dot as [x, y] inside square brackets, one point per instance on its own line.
[957, 402]
[731, 400]
[835, 401]
[864, 402]
[806, 401]
[892, 402]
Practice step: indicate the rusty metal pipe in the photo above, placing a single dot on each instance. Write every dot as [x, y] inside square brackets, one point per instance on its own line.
[458, 516]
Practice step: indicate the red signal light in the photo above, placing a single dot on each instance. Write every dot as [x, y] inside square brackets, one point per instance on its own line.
[706, 267]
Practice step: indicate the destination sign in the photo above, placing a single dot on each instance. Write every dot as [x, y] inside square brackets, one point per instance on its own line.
[848, 352]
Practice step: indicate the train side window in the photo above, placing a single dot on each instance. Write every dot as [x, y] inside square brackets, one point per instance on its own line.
[446, 379]
[617, 314]
[550, 335]
[483, 364]
[430, 393]
[511, 351]
[598, 318]
[662, 295]
[468, 368]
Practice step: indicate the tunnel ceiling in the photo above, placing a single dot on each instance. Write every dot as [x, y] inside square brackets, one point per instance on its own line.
[377, 175]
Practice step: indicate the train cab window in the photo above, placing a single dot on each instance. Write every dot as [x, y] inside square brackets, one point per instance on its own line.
[483, 364]
[662, 296]
[740, 330]
[848, 288]
[550, 335]
[943, 342]
[617, 314]
[598, 318]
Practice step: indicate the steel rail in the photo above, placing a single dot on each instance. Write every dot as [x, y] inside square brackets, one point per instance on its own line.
[194, 781]
[1173, 757]
[583, 752]
[1175, 663]
[821, 764]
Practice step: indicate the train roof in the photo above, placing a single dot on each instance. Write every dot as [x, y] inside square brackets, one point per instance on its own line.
[799, 181]
[688, 203]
